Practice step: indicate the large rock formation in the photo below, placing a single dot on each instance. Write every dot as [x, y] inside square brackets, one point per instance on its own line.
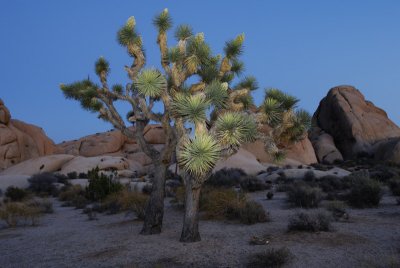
[355, 125]
[20, 141]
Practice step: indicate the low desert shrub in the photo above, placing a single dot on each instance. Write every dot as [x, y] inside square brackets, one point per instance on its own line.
[43, 205]
[253, 184]
[61, 178]
[338, 210]
[15, 213]
[304, 196]
[126, 201]
[270, 195]
[101, 185]
[305, 222]
[226, 177]
[394, 186]
[227, 204]
[270, 258]
[43, 184]
[74, 196]
[309, 176]
[72, 175]
[253, 213]
[331, 183]
[82, 175]
[364, 193]
[16, 194]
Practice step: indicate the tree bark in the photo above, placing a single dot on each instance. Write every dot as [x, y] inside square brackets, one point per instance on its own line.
[154, 212]
[190, 230]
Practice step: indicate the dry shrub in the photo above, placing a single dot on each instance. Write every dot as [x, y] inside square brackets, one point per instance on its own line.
[15, 213]
[304, 196]
[305, 222]
[74, 196]
[126, 201]
[270, 258]
[223, 204]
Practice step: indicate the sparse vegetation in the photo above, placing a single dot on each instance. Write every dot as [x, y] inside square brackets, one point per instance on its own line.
[304, 196]
[252, 184]
[72, 175]
[394, 185]
[270, 195]
[226, 177]
[101, 185]
[43, 184]
[16, 194]
[338, 210]
[307, 222]
[16, 213]
[126, 201]
[74, 196]
[364, 192]
[272, 257]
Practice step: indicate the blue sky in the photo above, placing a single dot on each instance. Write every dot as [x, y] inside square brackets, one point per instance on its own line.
[302, 47]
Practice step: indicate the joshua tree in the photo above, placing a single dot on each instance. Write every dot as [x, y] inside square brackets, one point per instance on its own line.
[280, 124]
[213, 107]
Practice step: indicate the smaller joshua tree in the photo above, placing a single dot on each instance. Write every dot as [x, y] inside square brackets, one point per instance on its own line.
[280, 123]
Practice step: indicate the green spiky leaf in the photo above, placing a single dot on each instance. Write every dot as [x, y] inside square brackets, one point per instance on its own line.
[304, 118]
[247, 101]
[174, 54]
[85, 92]
[233, 129]
[150, 83]
[249, 82]
[199, 156]
[272, 111]
[127, 35]
[191, 108]
[163, 21]
[217, 93]
[198, 48]
[237, 67]
[234, 48]
[101, 66]
[183, 32]
[118, 88]
[287, 101]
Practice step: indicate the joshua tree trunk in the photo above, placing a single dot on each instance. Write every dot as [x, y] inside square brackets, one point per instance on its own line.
[190, 230]
[155, 207]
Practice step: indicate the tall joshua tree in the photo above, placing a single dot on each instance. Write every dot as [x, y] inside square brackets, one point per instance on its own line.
[213, 107]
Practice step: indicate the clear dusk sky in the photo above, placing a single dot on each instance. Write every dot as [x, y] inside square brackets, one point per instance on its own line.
[302, 47]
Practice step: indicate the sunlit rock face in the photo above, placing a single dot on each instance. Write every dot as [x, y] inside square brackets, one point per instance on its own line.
[355, 124]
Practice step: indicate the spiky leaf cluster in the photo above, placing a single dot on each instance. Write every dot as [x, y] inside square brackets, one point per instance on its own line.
[233, 129]
[183, 32]
[198, 53]
[127, 35]
[199, 155]
[102, 67]
[217, 93]
[191, 108]
[234, 48]
[84, 92]
[150, 83]
[286, 101]
[163, 21]
[249, 82]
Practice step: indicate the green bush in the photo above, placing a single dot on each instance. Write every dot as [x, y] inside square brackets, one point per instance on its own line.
[304, 196]
[364, 193]
[253, 184]
[72, 175]
[272, 257]
[226, 177]
[16, 194]
[100, 186]
[43, 183]
[310, 222]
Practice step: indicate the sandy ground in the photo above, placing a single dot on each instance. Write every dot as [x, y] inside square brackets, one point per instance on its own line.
[68, 239]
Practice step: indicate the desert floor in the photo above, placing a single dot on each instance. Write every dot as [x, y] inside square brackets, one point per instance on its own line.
[371, 238]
